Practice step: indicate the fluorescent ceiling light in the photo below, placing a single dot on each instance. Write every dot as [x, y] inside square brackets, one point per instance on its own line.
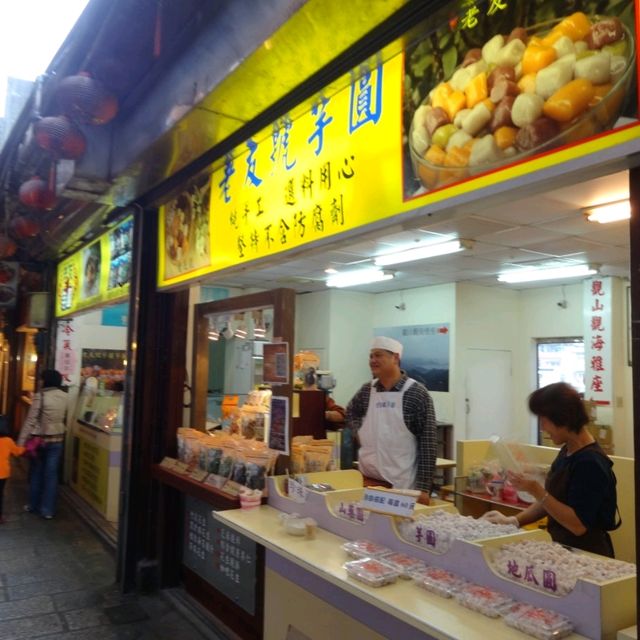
[420, 253]
[531, 275]
[609, 212]
[354, 278]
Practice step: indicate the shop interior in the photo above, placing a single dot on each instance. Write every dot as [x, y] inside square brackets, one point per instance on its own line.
[523, 333]
[504, 340]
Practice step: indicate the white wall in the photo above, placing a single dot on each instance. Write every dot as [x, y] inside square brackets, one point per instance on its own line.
[541, 317]
[425, 305]
[337, 326]
[350, 333]
[487, 318]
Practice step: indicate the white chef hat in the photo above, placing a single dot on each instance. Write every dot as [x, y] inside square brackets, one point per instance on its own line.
[389, 344]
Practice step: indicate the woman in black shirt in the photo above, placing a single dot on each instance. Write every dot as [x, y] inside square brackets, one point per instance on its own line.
[579, 496]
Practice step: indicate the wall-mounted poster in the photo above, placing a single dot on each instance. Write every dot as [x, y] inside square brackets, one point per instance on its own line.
[90, 278]
[97, 273]
[275, 365]
[279, 427]
[120, 243]
[425, 355]
[106, 366]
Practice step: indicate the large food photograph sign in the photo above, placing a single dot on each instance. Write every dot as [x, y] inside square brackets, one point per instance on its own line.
[503, 81]
[480, 94]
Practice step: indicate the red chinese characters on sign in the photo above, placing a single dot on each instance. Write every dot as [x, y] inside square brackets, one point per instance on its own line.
[597, 323]
[67, 352]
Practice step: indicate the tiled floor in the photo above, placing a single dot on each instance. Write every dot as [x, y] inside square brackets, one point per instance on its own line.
[57, 580]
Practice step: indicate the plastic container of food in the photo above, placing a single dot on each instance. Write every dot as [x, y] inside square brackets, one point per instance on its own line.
[487, 601]
[602, 112]
[372, 571]
[365, 549]
[438, 581]
[402, 563]
[539, 623]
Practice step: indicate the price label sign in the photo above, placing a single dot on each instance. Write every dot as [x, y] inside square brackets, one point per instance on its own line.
[168, 463]
[390, 502]
[297, 491]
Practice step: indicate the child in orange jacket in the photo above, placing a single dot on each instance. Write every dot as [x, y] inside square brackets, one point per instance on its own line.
[7, 448]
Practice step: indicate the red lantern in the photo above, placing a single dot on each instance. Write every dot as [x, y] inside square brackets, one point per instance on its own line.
[60, 137]
[7, 247]
[36, 193]
[25, 227]
[85, 99]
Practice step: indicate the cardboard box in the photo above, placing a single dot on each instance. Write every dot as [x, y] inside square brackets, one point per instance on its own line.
[603, 434]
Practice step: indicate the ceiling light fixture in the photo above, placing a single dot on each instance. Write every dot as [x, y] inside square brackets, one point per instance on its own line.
[608, 212]
[422, 252]
[531, 275]
[354, 278]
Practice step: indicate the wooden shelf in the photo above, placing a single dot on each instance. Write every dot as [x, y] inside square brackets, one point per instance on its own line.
[216, 498]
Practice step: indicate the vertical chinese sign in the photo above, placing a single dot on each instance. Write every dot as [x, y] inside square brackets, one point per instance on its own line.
[598, 336]
[67, 360]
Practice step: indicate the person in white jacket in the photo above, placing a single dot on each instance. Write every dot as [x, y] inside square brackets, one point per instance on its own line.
[46, 420]
[395, 421]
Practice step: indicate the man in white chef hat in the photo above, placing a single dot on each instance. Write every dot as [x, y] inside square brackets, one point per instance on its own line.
[396, 423]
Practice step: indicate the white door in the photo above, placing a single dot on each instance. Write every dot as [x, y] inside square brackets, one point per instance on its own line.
[488, 391]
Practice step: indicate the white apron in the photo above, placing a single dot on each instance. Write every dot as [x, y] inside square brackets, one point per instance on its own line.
[387, 447]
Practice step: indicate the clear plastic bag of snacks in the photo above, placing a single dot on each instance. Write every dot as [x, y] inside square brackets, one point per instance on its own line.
[365, 549]
[488, 601]
[438, 581]
[402, 563]
[539, 623]
[371, 571]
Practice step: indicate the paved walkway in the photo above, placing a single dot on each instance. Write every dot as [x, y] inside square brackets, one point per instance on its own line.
[57, 580]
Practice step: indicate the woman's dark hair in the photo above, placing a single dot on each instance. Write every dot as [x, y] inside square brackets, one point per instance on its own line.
[5, 430]
[51, 378]
[560, 403]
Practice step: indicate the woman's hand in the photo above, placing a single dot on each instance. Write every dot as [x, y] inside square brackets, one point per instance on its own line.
[525, 483]
[495, 517]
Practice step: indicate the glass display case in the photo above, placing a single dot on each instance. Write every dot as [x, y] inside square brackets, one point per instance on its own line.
[229, 372]
[96, 441]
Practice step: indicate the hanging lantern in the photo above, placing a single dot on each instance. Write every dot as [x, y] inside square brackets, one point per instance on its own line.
[85, 99]
[37, 194]
[60, 137]
[25, 227]
[7, 247]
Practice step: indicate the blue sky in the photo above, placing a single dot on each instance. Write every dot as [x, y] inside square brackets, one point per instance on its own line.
[31, 32]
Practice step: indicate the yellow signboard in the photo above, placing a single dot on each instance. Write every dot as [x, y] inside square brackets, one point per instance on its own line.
[99, 272]
[93, 473]
[369, 153]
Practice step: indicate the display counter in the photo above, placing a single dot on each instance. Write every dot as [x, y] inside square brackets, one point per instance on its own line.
[329, 604]
[472, 452]
[96, 464]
